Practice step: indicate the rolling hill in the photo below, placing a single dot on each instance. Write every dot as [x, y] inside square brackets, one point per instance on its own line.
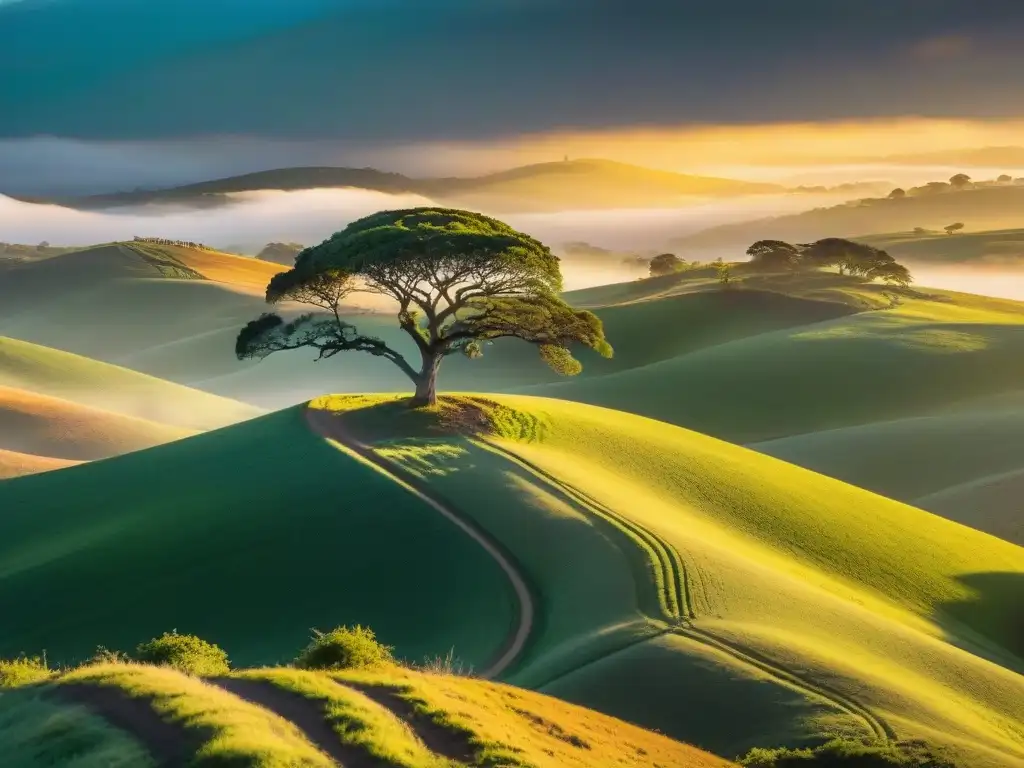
[995, 248]
[52, 428]
[139, 716]
[14, 464]
[784, 603]
[983, 208]
[55, 374]
[567, 185]
[964, 465]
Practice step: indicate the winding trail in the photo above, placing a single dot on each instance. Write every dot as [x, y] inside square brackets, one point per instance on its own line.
[329, 425]
[677, 603]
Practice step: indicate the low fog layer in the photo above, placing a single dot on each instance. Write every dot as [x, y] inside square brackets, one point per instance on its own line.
[1000, 282]
[309, 216]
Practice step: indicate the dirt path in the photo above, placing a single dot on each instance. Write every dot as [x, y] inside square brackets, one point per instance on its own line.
[438, 739]
[677, 603]
[307, 715]
[170, 744]
[329, 425]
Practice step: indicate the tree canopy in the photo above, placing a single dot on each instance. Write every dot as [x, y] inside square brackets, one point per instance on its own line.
[666, 264]
[774, 254]
[954, 228]
[458, 279]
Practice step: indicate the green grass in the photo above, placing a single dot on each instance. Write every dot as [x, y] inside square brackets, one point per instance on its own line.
[81, 380]
[860, 594]
[945, 451]
[990, 503]
[1000, 247]
[216, 534]
[919, 357]
[37, 732]
[712, 591]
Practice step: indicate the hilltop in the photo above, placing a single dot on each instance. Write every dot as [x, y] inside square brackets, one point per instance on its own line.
[988, 207]
[584, 183]
[283, 718]
[787, 603]
[994, 248]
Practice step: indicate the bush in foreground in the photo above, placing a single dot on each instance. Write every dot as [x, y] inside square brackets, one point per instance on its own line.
[344, 648]
[185, 653]
[22, 671]
[844, 753]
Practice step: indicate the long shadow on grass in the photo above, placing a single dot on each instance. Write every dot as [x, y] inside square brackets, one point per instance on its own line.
[995, 612]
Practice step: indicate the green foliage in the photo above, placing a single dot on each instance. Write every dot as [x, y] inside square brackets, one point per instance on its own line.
[185, 653]
[666, 264]
[844, 753]
[774, 255]
[23, 670]
[724, 273]
[344, 648]
[458, 278]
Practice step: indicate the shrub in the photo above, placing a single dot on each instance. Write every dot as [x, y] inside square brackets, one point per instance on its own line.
[344, 648]
[185, 653]
[104, 655]
[844, 753]
[23, 670]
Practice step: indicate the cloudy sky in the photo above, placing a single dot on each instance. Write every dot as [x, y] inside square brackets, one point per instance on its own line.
[321, 80]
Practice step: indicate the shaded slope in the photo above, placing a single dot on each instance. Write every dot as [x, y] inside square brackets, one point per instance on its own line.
[54, 373]
[994, 503]
[215, 533]
[994, 247]
[59, 429]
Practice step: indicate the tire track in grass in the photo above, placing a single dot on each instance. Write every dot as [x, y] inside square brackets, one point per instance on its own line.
[447, 742]
[170, 744]
[676, 580]
[328, 425]
[306, 714]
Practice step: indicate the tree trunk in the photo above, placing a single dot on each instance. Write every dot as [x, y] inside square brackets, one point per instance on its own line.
[426, 382]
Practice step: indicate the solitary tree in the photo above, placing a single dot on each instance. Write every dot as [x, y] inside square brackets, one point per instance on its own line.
[774, 254]
[960, 181]
[724, 272]
[897, 194]
[1005, 178]
[954, 228]
[666, 264]
[459, 279]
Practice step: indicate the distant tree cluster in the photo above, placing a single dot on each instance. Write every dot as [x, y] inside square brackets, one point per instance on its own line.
[845, 255]
[179, 243]
[280, 253]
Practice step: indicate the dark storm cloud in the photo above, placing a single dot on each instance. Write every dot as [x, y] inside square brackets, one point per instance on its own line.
[410, 70]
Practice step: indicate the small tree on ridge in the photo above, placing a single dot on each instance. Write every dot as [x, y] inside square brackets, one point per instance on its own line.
[954, 228]
[458, 279]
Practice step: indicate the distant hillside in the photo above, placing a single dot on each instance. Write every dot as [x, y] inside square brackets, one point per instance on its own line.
[545, 186]
[988, 157]
[999, 247]
[993, 207]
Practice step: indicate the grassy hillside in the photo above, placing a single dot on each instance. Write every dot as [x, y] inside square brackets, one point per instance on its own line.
[14, 464]
[60, 429]
[283, 718]
[783, 603]
[53, 373]
[955, 460]
[932, 350]
[982, 208]
[1001, 247]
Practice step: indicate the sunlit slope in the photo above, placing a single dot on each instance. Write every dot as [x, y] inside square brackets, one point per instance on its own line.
[14, 464]
[53, 373]
[925, 354]
[282, 718]
[914, 459]
[59, 429]
[249, 536]
[116, 301]
[802, 604]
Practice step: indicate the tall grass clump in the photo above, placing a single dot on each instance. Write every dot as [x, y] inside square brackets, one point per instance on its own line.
[344, 648]
[845, 753]
[23, 670]
[185, 653]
